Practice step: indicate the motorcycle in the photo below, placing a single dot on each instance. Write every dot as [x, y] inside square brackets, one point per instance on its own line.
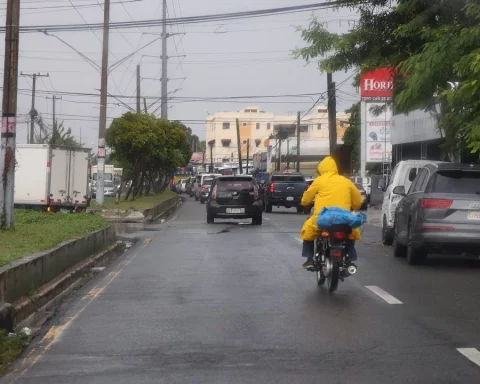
[330, 257]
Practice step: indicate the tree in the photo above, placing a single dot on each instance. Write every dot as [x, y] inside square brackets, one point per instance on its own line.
[202, 146]
[429, 44]
[351, 137]
[62, 137]
[149, 149]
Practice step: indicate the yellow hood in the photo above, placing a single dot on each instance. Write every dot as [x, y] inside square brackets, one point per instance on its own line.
[327, 167]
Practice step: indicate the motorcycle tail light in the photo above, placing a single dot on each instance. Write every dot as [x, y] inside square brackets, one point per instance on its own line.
[336, 253]
[339, 235]
[325, 234]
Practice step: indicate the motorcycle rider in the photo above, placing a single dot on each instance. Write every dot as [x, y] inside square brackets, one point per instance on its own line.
[329, 190]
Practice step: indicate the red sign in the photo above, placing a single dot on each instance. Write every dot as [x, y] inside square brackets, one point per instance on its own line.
[378, 83]
[197, 157]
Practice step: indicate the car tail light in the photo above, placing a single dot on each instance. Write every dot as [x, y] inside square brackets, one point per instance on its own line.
[339, 235]
[214, 193]
[203, 188]
[272, 187]
[436, 203]
[255, 192]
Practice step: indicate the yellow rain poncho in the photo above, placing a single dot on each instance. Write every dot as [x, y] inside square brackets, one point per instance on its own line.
[329, 190]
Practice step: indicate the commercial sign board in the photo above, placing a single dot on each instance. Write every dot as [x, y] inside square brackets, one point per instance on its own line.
[376, 90]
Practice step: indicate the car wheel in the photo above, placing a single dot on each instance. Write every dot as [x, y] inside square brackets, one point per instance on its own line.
[415, 256]
[257, 220]
[210, 219]
[196, 198]
[268, 208]
[398, 249]
[300, 209]
[202, 201]
[387, 235]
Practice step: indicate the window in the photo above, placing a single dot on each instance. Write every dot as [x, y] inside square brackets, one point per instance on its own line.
[233, 184]
[304, 128]
[268, 126]
[319, 126]
[226, 126]
[418, 183]
[244, 124]
[457, 181]
[291, 178]
[257, 126]
[257, 142]
[251, 110]
[244, 141]
[392, 176]
[322, 110]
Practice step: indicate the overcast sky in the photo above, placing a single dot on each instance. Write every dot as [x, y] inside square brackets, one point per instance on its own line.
[238, 58]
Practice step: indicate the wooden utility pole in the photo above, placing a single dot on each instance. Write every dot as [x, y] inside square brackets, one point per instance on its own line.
[211, 157]
[145, 104]
[9, 115]
[239, 145]
[298, 141]
[34, 77]
[138, 89]
[102, 129]
[279, 140]
[332, 115]
[248, 154]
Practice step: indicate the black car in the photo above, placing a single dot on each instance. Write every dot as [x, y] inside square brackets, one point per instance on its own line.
[234, 197]
[439, 214]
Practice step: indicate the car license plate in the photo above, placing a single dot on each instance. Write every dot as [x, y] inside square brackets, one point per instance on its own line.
[473, 215]
[289, 198]
[235, 210]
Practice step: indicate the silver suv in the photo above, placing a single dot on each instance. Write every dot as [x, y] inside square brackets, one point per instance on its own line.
[440, 213]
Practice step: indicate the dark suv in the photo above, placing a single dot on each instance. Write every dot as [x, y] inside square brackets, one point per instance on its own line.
[440, 213]
[234, 197]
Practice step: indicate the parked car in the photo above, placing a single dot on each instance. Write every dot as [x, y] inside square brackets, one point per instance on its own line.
[440, 213]
[402, 175]
[182, 186]
[234, 197]
[284, 189]
[205, 190]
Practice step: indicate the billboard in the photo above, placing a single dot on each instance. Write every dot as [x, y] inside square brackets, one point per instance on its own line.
[197, 157]
[376, 84]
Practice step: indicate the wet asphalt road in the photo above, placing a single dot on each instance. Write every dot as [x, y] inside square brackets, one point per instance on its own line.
[229, 303]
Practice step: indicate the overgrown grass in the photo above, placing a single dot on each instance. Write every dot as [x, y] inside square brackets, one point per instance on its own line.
[10, 348]
[38, 231]
[139, 204]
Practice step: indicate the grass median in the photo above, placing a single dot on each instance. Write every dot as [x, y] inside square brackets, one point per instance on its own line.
[38, 231]
[139, 204]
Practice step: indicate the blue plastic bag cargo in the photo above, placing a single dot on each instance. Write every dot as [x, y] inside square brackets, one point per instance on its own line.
[339, 216]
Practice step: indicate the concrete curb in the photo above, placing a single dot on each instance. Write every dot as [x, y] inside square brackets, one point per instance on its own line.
[34, 311]
[23, 280]
[131, 216]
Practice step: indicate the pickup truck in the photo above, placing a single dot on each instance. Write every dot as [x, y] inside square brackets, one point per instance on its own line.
[284, 189]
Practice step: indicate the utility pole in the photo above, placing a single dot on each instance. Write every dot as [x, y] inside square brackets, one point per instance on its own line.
[248, 154]
[102, 129]
[8, 131]
[164, 80]
[298, 141]
[288, 154]
[332, 115]
[145, 104]
[239, 145]
[211, 157]
[138, 89]
[32, 110]
[279, 153]
[80, 136]
[54, 118]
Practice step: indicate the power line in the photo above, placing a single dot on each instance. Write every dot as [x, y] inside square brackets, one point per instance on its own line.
[183, 20]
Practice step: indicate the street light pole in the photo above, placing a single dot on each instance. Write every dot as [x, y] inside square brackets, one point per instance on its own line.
[9, 115]
[164, 79]
[103, 106]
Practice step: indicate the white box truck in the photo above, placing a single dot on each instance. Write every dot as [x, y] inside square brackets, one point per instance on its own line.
[51, 178]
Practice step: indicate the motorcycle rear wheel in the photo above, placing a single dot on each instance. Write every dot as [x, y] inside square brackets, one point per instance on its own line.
[332, 280]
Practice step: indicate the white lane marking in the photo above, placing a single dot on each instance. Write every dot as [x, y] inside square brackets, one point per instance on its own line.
[472, 354]
[299, 240]
[384, 295]
[266, 218]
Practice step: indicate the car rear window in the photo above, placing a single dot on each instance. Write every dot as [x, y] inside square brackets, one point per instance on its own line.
[457, 181]
[359, 187]
[232, 184]
[289, 178]
[207, 181]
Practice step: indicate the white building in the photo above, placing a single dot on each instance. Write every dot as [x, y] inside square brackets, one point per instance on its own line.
[257, 126]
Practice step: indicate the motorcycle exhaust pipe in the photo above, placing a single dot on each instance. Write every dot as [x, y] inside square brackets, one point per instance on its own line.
[352, 269]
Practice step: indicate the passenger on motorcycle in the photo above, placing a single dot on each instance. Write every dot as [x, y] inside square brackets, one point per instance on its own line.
[328, 190]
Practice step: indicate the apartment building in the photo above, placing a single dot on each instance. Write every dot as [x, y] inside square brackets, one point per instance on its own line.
[256, 127]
